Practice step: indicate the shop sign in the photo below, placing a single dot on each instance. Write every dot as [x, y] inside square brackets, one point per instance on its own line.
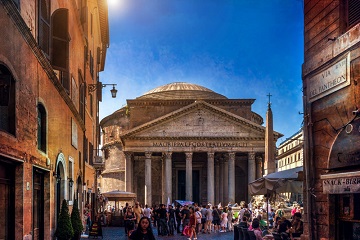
[341, 185]
[330, 79]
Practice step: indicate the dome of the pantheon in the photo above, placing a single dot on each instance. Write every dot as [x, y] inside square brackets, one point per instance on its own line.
[181, 90]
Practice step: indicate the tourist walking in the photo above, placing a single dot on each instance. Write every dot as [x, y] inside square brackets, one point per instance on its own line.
[216, 218]
[192, 224]
[224, 220]
[171, 220]
[209, 219]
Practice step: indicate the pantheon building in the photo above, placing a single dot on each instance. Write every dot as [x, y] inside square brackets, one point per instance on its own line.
[185, 142]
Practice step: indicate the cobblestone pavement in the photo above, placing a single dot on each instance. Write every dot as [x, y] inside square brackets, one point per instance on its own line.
[118, 233]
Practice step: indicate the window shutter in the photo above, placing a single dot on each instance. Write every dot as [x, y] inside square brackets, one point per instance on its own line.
[44, 26]
[353, 12]
[60, 42]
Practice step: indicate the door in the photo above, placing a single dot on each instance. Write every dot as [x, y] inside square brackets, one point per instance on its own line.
[38, 205]
[7, 196]
[195, 185]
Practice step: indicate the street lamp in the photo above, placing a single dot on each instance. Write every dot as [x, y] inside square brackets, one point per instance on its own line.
[99, 85]
[57, 176]
[71, 182]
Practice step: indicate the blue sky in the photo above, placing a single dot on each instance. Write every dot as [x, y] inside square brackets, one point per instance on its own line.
[238, 48]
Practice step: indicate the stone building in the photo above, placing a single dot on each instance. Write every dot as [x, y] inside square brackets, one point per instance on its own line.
[290, 155]
[184, 141]
[331, 74]
[50, 52]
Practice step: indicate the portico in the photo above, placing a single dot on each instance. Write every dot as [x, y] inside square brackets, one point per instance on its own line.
[200, 150]
[191, 175]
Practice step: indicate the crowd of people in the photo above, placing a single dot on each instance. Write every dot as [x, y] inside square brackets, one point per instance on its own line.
[192, 220]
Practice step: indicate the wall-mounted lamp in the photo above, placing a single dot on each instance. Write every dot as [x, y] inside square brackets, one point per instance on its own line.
[57, 176]
[93, 87]
[71, 182]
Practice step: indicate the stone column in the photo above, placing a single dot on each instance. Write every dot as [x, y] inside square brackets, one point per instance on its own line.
[217, 183]
[225, 182]
[168, 176]
[251, 169]
[148, 199]
[258, 167]
[221, 180]
[210, 178]
[128, 172]
[188, 184]
[231, 177]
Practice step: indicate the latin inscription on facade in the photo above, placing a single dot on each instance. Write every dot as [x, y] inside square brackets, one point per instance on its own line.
[330, 80]
[199, 144]
[341, 185]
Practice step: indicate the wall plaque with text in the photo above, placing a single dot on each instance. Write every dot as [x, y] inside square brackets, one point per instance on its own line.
[330, 79]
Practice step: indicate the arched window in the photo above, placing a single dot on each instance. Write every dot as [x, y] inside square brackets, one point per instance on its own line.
[7, 100]
[42, 126]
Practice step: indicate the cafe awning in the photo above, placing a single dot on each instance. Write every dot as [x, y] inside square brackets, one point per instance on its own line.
[284, 181]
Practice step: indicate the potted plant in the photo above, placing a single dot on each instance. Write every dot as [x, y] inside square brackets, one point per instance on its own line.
[64, 229]
[76, 221]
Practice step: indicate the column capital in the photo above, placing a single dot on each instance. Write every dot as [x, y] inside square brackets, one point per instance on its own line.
[231, 155]
[188, 155]
[128, 154]
[251, 156]
[167, 155]
[211, 155]
[258, 159]
[148, 154]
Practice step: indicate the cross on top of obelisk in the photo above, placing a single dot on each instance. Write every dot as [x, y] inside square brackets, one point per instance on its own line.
[269, 103]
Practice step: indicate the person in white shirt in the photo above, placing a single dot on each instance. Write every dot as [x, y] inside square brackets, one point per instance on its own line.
[147, 212]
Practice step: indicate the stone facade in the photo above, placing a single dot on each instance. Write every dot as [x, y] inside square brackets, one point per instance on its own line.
[47, 132]
[331, 119]
[184, 141]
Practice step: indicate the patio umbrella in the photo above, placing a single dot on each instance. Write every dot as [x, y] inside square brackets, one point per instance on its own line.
[284, 181]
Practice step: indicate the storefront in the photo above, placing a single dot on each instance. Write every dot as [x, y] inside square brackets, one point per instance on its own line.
[342, 183]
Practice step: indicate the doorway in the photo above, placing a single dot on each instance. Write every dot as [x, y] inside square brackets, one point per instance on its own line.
[38, 205]
[7, 200]
[195, 185]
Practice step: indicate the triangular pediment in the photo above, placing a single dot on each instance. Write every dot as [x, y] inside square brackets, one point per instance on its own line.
[198, 120]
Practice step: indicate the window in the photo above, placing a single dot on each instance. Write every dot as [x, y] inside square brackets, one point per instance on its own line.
[91, 105]
[44, 26]
[82, 90]
[7, 101]
[41, 131]
[91, 153]
[91, 65]
[86, 148]
[353, 16]
[60, 46]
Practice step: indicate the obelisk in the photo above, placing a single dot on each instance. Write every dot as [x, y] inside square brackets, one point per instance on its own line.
[269, 164]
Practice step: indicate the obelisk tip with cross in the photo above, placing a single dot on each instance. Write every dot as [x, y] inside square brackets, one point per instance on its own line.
[269, 103]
